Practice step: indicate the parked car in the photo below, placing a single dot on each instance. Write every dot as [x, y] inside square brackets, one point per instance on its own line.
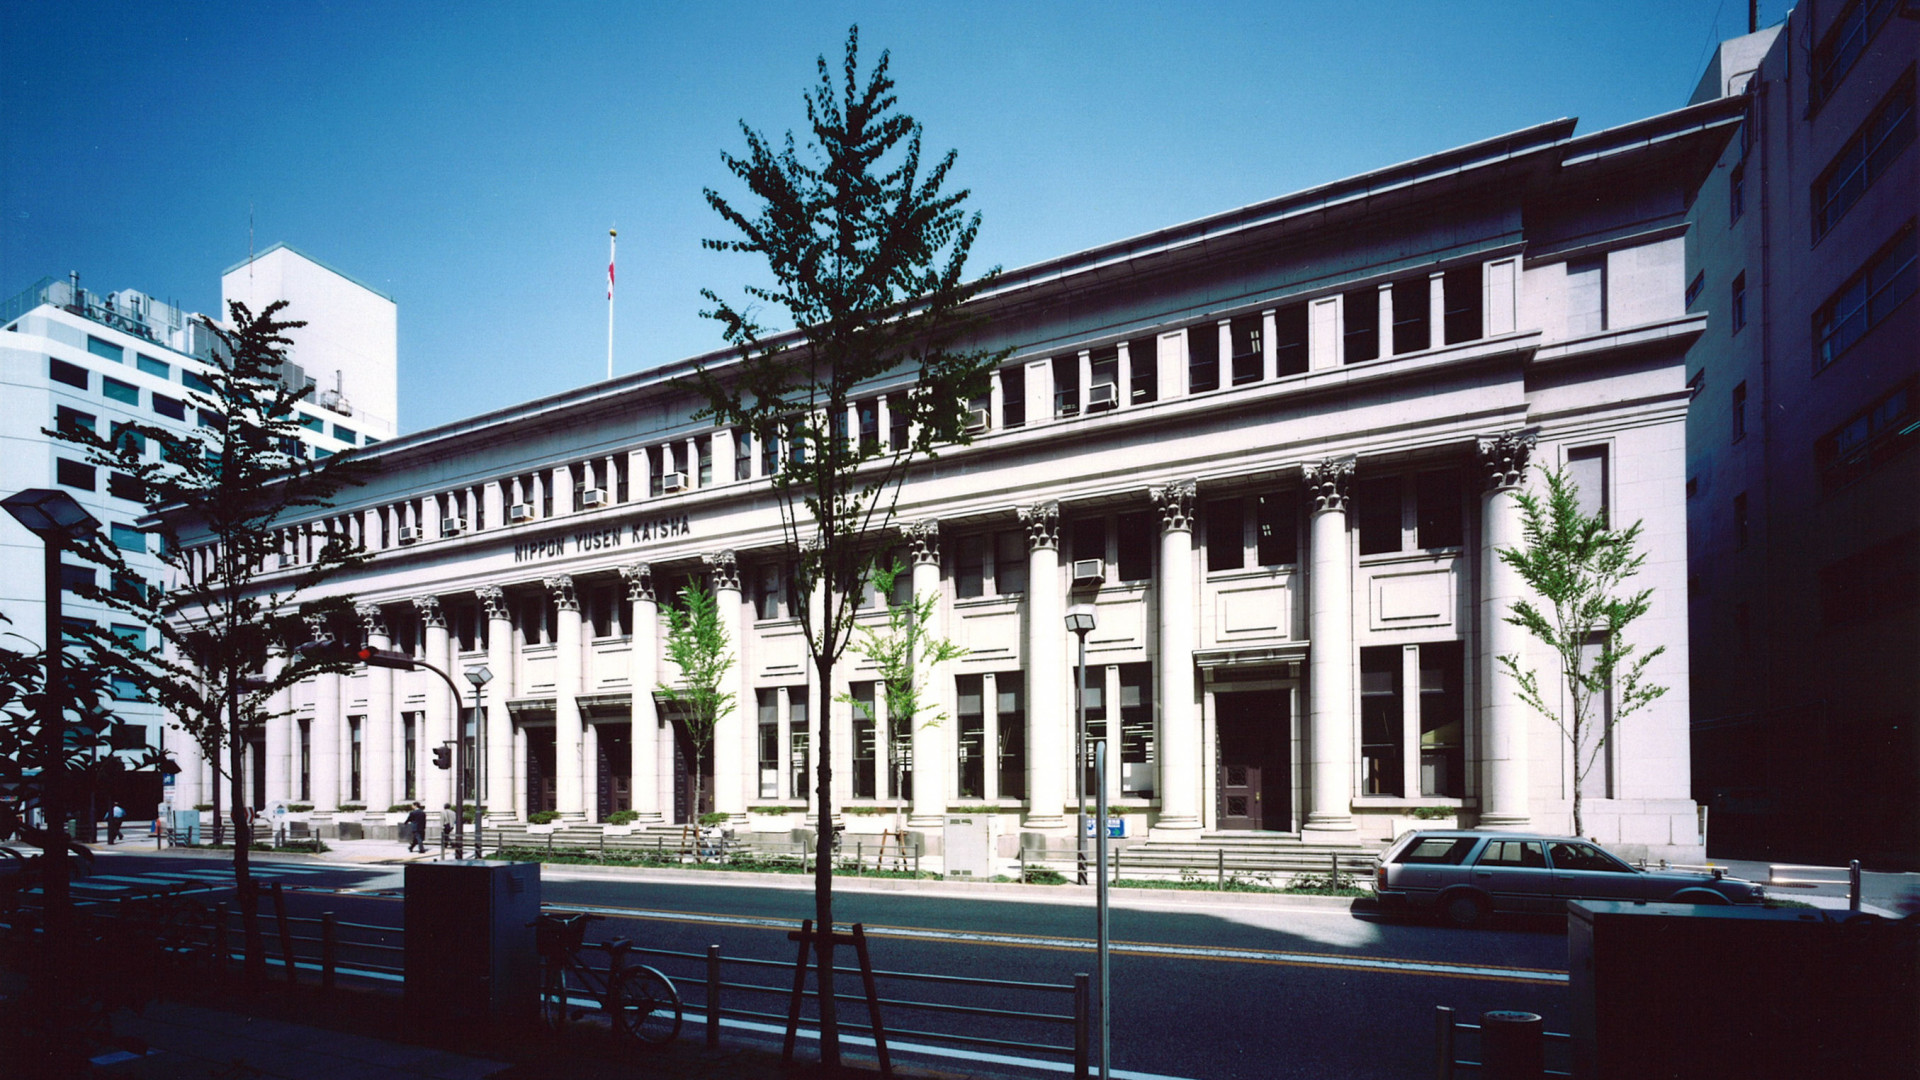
[1463, 875]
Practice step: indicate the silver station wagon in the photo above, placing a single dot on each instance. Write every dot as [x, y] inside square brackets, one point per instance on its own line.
[1464, 874]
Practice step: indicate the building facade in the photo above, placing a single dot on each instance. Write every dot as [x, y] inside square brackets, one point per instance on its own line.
[1803, 523]
[1274, 450]
[71, 359]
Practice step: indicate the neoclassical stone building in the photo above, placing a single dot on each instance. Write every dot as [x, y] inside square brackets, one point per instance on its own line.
[1273, 450]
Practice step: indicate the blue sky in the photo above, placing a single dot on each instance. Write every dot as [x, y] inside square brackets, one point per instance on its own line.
[467, 159]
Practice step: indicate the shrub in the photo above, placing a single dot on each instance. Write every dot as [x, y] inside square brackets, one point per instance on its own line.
[776, 809]
[1432, 813]
[623, 817]
[299, 807]
[399, 808]
[203, 806]
[352, 807]
[715, 818]
[312, 846]
[543, 817]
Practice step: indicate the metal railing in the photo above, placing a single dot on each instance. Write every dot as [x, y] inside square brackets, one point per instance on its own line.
[1339, 870]
[1446, 1039]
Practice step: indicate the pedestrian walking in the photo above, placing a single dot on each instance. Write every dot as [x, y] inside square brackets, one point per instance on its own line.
[116, 816]
[446, 827]
[417, 828]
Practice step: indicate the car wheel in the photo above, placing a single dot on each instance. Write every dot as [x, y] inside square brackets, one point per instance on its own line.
[1705, 897]
[1464, 909]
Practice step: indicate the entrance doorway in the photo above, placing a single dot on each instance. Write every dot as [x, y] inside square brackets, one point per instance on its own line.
[1254, 783]
[615, 768]
[542, 770]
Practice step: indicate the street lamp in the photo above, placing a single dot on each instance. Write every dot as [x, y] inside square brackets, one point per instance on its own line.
[479, 676]
[57, 520]
[1080, 622]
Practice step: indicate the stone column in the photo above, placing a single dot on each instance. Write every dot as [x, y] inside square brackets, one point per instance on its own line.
[1503, 717]
[437, 718]
[278, 752]
[569, 795]
[376, 738]
[325, 732]
[1049, 726]
[734, 751]
[1183, 757]
[644, 675]
[501, 781]
[932, 745]
[1330, 700]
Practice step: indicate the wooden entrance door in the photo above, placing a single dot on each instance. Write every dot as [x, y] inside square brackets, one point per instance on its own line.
[542, 770]
[1255, 790]
[615, 768]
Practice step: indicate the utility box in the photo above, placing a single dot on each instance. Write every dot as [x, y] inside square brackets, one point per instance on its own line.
[185, 825]
[967, 840]
[470, 952]
[1700, 993]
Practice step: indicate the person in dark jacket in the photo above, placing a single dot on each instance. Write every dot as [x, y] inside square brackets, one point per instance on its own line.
[417, 828]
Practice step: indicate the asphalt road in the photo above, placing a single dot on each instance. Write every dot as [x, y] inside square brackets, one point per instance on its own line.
[1202, 988]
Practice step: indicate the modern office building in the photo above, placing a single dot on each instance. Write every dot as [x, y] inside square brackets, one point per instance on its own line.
[1802, 482]
[1274, 449]
[71, 358]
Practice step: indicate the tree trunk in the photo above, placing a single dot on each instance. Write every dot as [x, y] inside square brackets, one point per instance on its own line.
[256, 956]
[823, 869]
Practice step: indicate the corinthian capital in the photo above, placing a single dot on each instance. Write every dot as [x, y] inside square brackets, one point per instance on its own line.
[723, 568]
[372, 620]
[923, 538]
[430, 611]
[639, 579]
[1175, 503]
[494, 598]
[1327, 483]
[1042, 521]
[1503, 457]
[564, 596]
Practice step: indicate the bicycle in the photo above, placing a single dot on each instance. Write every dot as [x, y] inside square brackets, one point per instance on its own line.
[635, 1001]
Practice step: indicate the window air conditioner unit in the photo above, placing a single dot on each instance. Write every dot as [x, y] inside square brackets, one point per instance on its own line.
[453, 526]
[519, 512]
[592, 497]
[977, 421]
[1089, 571]
[409, 534]
[1102, 395]
[673, 481]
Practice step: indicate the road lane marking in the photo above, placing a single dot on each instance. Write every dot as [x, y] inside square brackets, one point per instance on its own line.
[1190, 952]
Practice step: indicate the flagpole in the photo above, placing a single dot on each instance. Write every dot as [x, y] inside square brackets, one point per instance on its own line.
[612, 240]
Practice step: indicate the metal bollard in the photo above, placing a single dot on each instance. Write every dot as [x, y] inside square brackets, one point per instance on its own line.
[329, 948]
[1220, 869]
[1334, 858]
[713, 997]
[1442, 1043]
[1511, 1047]
[1853, 886]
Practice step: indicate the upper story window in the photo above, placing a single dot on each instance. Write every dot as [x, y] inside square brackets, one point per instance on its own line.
[1360, 318]
[1412, 305]
[1066, 385]
[346, 435]
[1695, 288]
[1203, 358]
[1423, 511]
[1587, 468]
[868, 413]
[1868, 438]
[73, 474]
[115, 390]
[70, 421]
[1845, 42]
[1586, 296]
[1865, 157]
[1461, 297]
[1865, 300]
[742, 459]
[1290, 340]
[1013, 398]
[990, 564]
[1143, 358]
[1249, 355]
[1738, 417]
[106, 350]
[193, 381]
[1738, 306]
[69, 374]
[1253, 530]
[157, 368]
[169, 407]
[1736, 193]
[1103, 392]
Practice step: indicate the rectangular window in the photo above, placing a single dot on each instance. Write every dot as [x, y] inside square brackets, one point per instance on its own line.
[126, 440]
[1460, 296]
[1203, 358]
[1277, 539]
[970, 760]
[1009, 563]
[355, 735]
[130, 587]
[899, 427]
[1013, 396]
[1739, 417]
[767, 593]
[1738, 308]
[1740, 521]
[71, 374]
[306, 759]
[1066, 385]
[1868, 438]
[74, 475]
[1736, 193]
[703, 450]
[1442, 720]
[410, 754]
[75, 578]
[1249, 358]
[1695, 288]
[1845, 42]
[1587, 468]
[1865, 157]
[106, 350]
[1010, 716]
[769, 462]
[1104, 367]
[768, 701]
[69, 421]
[207, 418]
[1137, 749]
[116, 390]
[1088, 539]
[346, 435]
[193, 381]
[1411, 307]
[122, 486]
[1438, 500]
[865, 741]
[134, 638]
[1382, 724]
[799, 742]
[158, 368]
[1866, 300]
[1136, 541]
[311, 423]
[1586, 297]
[970, 567]
[1226, 536]
[128, 538]
[1377, 510]
[868, 413]
[169, 408]
[742, 457]
[1360, 314]
[1143, 357]
[1290, 340]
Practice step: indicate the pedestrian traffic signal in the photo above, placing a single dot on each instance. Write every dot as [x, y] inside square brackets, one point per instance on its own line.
[443, 757]
[386, 658]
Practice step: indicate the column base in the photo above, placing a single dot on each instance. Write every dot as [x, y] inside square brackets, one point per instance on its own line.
[1046, 823]
[934, 822]
[1338, 827]
[650, 817]
[1183, 823]
[1505, 821]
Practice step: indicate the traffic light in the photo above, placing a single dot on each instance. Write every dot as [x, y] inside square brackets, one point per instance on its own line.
[443, 757]
[386, 658]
